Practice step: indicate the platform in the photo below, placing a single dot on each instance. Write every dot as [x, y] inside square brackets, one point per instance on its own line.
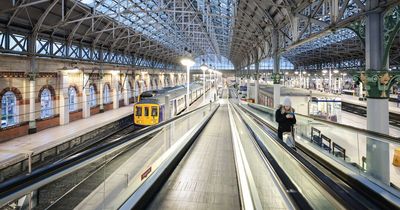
[354, 100]
[300, 99]
[345, 98]
[51, 137]
[361, 122]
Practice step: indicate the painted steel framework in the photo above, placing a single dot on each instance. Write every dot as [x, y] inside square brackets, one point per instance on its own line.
[156, 33]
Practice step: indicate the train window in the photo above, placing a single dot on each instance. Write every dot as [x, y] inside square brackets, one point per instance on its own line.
[138, 111]
[154, 111]
[146, 111]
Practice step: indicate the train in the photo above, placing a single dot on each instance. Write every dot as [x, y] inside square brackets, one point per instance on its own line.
[150, 110]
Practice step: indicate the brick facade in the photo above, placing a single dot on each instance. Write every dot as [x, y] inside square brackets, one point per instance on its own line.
[13, 77]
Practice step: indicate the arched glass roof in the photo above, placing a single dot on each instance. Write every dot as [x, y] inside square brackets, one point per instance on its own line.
[268, 64]
[339, 49]
[215, 61]
[157, 33]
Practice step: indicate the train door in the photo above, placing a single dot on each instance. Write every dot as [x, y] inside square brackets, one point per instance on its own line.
[157, 113]
[153, 113]
[146, 110]
[138, 114]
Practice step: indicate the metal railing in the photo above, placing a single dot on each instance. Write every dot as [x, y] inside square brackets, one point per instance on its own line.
[13, 189]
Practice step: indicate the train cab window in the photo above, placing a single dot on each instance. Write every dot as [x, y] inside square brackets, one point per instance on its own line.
[153, 111]
[138, 111]
[146, 111]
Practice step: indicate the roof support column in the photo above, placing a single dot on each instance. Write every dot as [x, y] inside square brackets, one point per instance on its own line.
[32, 84]
[126, 89]
[101, 82]
[85, 97]
[101, 91]
[378, 162]
[64, 105]
[116, 89]
[248, 81]
[276, 75]
[256, 85]
[32, 103]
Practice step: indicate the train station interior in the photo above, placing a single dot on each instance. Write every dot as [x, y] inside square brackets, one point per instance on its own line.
[199, 104]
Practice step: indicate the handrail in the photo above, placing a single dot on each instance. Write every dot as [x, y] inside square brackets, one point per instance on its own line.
[19, 186]
[249, 195]
[377, 196]
[143, 195]
[293, 193]
[326, 183]
[366, 132]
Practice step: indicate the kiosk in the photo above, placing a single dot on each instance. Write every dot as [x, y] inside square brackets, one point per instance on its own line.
[327, 108]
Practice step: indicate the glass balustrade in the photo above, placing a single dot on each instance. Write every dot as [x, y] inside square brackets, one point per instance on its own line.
[108, 179]
[376, 157]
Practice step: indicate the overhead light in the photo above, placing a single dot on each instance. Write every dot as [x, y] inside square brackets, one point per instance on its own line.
[309, 74]
[296, 72]
[203, 67]
[324, 71]
[304, 72]
[187, 61]
[335, 71]
[286, 73]
[344, 74]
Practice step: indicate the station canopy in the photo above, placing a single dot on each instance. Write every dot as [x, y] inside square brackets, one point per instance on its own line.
[310, 33]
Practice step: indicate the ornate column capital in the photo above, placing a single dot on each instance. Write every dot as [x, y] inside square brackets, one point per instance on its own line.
[377, 83]
[276, 77]
[31, 76]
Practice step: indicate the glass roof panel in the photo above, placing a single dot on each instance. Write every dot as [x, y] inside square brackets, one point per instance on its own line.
[338, 36]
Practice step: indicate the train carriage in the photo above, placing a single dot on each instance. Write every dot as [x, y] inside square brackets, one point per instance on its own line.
[150, 110]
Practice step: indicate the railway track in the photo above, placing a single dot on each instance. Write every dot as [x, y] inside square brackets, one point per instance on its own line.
[112, 135]
[394, 119]
[67, 192]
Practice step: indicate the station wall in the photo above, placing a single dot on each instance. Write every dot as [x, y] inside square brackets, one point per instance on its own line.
[50, 75]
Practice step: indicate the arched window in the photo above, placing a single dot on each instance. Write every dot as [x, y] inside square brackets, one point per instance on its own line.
[106, 94]
[46, 104]
[92, 96]
[73, 99]
[8, 109]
